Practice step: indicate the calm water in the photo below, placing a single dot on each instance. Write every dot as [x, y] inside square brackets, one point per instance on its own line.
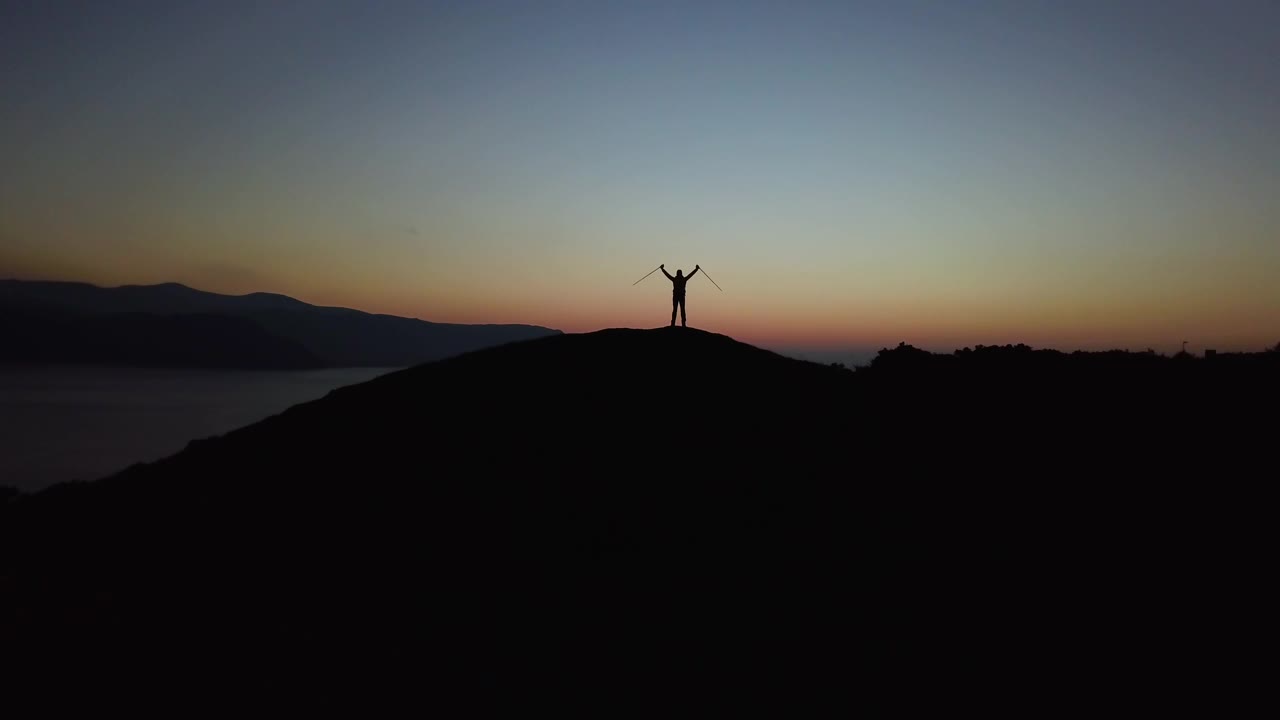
[72, 423]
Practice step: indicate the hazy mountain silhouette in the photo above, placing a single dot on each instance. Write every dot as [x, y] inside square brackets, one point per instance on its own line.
[661, 509]
[174, 325]
[50, 335]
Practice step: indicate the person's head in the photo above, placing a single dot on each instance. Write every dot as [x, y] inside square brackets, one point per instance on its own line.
[679, 273]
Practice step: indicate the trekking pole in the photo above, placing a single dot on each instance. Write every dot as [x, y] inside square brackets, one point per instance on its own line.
[713, 282]
[646, 275]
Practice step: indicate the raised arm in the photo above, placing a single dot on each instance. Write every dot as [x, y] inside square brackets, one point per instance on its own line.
[663, 268]
[696, 268]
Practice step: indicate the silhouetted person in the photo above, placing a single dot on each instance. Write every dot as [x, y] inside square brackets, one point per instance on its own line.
[677, 292]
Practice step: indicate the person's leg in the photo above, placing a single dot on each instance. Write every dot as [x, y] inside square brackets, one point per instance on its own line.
[684, 321]
[674, 301]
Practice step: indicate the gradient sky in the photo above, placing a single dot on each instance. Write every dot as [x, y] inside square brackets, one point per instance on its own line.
[1066, 174]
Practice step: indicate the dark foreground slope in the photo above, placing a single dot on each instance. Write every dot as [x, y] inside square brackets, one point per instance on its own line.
[173, 325]
[667, 508]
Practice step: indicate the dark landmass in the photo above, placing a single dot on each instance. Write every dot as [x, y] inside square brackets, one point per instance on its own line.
[636, 512]
[172, 325]
[50, 336]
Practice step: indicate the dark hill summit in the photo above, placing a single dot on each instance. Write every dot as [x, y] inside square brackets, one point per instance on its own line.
[664, 507]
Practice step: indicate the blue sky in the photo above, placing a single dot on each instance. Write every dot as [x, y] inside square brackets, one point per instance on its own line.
[1081, 174]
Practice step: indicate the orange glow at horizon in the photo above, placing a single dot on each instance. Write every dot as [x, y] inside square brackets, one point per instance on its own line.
[776, 321]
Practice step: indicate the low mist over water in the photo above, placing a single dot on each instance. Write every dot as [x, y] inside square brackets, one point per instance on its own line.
[81, 423]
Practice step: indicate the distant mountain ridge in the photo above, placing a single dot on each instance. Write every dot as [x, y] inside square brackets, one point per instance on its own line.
[173, 325]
